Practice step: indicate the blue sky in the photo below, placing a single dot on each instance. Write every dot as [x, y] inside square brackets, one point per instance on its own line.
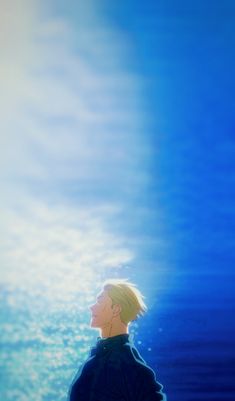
[120, 115]
[75, 157]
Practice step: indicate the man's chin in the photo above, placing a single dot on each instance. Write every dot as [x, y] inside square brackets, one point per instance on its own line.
[93, 324]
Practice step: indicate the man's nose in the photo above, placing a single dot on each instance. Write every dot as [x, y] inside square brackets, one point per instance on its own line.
[91, 307]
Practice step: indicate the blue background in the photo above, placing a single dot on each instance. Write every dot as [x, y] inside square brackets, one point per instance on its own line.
[186, 50]
[179, 224]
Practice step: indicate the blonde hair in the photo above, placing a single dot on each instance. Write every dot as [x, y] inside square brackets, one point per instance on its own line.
[126, 294]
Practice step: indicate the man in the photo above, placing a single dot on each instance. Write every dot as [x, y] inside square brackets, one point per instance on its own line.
[115, 370]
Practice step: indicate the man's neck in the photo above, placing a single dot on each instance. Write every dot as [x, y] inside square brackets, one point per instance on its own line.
[111, 331]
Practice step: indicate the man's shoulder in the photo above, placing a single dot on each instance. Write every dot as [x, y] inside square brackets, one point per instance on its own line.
[127, 355]
[129, 360]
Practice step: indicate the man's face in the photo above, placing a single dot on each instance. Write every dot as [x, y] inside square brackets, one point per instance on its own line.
[101, 311]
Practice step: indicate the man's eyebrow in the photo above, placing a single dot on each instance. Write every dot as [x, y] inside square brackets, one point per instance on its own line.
[99, 296]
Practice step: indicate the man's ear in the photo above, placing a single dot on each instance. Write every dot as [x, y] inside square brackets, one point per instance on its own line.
[116, 309]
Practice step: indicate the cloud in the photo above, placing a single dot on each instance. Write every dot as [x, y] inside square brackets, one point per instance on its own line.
[71, 116]
[58, 249]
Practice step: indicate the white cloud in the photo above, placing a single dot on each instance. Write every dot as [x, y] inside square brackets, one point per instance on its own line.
[98, 104]
[60, 249]
[70, 111]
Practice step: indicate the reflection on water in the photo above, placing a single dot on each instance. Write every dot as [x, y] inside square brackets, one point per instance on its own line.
[42, 347]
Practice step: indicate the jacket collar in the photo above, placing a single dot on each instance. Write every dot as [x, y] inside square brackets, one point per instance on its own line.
[111, 341]
[105, 344]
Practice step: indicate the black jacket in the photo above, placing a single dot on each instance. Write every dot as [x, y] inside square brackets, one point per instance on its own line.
[115, 371]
